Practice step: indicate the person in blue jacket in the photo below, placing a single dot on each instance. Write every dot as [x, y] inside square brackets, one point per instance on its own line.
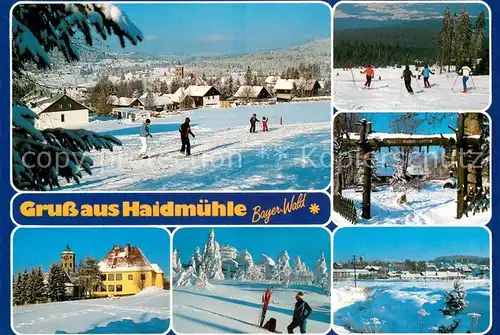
[143, 136]
[426, 73]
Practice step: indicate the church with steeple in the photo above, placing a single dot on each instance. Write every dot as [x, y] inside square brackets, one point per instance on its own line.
[68, 260]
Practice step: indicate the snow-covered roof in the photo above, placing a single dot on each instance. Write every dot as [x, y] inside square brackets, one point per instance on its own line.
[197, 90]
[284, 84]
[121, 101]
[127, 258]
[272, 79]
[246, 91]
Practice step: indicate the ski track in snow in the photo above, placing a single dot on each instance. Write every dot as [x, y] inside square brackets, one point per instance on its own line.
[432, 205]
[396, 303]
[390, 94]
[235, 307]
[146, 312]
[224, 154]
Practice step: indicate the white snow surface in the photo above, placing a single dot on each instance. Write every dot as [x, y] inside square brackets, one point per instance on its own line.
[224, 154]
[235, 307]
[433, 205]
[396, 304]
[389, 94]
[146, 312]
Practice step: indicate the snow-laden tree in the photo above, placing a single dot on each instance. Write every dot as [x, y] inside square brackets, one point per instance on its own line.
[176, 263]
[40, 158]
[56, 287]
[269, 268]
[202, 280]
[188, 276]
[212, 261]
[18, 290]
[198, 258]
[35, 288]
[454, 300]
[284, 270]
[255, 273]
[398, 180]
[301, 273]
[321, 275]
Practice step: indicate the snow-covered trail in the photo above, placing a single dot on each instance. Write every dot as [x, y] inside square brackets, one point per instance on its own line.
[389, 93]
[146, 312]
[431, 205]
[295, 155]
[235, 307]
[396, 303]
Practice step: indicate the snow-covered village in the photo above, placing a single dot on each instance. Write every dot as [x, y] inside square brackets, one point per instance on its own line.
[251, 280]
[248, 113]
[67, 288]
[408, 56]
[411, 280]
[412, 168]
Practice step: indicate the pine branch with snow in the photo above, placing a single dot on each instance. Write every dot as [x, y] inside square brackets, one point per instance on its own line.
[212, 260]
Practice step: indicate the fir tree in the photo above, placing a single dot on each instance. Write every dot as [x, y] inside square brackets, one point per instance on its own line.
[284, 269]
[198, 259]
[18, 289]
[454, 300]
[248, 76]
[149, 102]
[477, 40]
[39, 30]
[321, 275]
[176, 263]
[463, 39]
[37, 287]
[398, 180]
[56, 288]
[88, 276]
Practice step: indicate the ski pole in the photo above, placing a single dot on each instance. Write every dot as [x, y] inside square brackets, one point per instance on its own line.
[453, 88]
[401, 87]
[353, 80]
[419, 87]
[474, 85]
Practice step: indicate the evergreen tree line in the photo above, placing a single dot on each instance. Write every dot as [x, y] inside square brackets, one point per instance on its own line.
[31, 287]
[305, 71]
[455, 42]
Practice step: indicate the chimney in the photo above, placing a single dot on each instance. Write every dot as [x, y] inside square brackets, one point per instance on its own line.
[127, 250]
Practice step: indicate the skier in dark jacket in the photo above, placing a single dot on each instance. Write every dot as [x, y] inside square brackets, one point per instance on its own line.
[185, 131]
[253, 121]
[426, 72]
[407, 75]
[300, 314]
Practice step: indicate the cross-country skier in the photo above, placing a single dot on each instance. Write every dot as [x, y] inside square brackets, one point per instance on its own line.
[185, 131]
[300, 314]
[426, 72]
[253, 121]
[266, 299]
[466, 72]
[264, 124]
[143, 136]
[369, 75]
[407, 75]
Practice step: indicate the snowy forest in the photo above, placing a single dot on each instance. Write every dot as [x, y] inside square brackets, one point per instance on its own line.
[457, 41]
[38, 32]
[208, 265]
[33, 287]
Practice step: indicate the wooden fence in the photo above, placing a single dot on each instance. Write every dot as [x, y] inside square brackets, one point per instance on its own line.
[345, 207]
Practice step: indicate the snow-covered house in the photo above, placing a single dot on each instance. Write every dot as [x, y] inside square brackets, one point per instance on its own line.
[61, 110]
[247, 93]
[115, 101]
[203, 95]
[284, 89]
[307, 87]
[346, 274]
[271, 82]
[125, 270]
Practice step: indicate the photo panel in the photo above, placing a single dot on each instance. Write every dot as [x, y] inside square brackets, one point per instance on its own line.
[412, 280]
[420, 56]
[412, 168]
[251, 280]
[90, 280]
[185, 97]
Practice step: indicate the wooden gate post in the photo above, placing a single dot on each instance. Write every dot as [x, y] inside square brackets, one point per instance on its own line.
[367, 170]
[461, 170]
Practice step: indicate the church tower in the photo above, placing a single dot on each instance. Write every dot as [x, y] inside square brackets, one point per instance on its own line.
[68, 260]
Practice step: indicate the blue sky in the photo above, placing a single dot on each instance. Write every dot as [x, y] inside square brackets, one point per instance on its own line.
[35, 247]
[400, 243]
[309, 243]
[381, 122]
[220, 29]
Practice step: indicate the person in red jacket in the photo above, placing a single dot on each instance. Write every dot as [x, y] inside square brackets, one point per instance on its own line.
[264, 124]
[369, 75]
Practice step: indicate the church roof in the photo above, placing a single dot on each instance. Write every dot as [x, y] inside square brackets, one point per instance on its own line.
[67, 250]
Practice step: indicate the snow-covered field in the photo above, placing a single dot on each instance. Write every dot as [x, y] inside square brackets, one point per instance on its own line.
[389, 93]
[431, 205]
[146, 312]
[235, 307]
[225, 156]
[395, 304]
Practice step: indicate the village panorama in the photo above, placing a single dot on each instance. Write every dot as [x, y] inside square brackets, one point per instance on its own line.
[249, 116]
